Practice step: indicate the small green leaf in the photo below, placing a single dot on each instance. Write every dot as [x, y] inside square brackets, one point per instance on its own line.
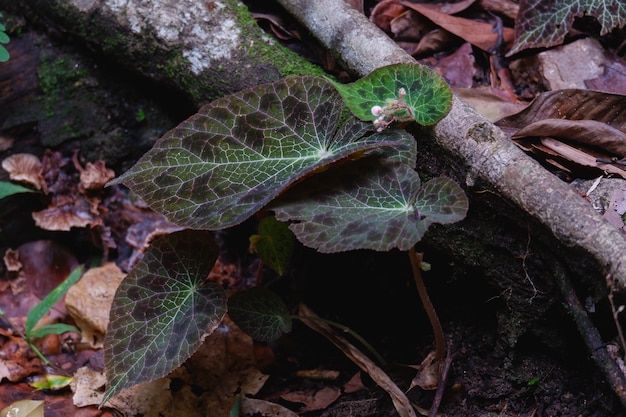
[50, 382]
[260, 313]
[442, 201]
[427, 95]
[274, 244]
[56, 328]
[4, 54]
[162, 310]
[241, 151]
[9, 188]
[4, 38]
[40, 310]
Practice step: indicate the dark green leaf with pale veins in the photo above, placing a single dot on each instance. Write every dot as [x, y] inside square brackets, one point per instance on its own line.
[545, 23]
[260, 313]
[370, 206]
[241, 151]
[162, 310]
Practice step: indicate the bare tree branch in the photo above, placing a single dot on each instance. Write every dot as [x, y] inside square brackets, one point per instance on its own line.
[487, 159]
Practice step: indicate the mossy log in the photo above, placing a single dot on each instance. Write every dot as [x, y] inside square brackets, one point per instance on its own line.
[204, 49]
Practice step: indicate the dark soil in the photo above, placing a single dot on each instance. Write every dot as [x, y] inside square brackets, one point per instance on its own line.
[373, 293]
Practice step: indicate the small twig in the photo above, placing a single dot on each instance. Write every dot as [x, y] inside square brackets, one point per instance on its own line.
[400, 401]
[416, 264]
[615, 312]
[590, 335]
[441, 385]
[525, 269]
[348, 330]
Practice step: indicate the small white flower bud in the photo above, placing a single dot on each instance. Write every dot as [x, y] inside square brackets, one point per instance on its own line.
[377, 110]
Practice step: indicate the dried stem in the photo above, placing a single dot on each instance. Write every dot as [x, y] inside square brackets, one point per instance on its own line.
[416, 264]
[590, 335]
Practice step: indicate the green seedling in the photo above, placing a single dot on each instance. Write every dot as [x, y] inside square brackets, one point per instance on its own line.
[321, 158]
[31, 332]
[4, 39]
[8, 189]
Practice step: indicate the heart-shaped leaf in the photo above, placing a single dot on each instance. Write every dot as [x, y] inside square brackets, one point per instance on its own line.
[241, 151]
[274, 244]
[427, 95]
[260, 313]
[442, 201]
[162, 310]
[371, 205]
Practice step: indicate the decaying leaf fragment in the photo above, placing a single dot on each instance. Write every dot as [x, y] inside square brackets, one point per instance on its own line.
[23, 408]
[89, 302]
[62, 218]
[593, 121]
[94, 176]
[25, 168]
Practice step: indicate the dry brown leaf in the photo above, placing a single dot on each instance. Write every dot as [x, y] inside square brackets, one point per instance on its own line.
[90, 299]
[95, 176]
[580, 157]
[428, 372]
[477, 33]
[23, 408]
[588, 132]
[571, 104]
[26, 168]
[313, 399]
[45, 264]
[400, 401]
[354, 384]
[62, 218]
[616, 209]
[208, 383]
[319, 374]
[486, 102]
[253, 407]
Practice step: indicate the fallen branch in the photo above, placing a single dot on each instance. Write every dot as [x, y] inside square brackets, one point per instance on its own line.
[606, 363]
[487, 159]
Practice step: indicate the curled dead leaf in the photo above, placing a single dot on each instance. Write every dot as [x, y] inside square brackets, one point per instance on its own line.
[12, 260]
[90, 299]
[428, 372]
[589, 132]
[62, 218]
[24, 168]
[95, 176]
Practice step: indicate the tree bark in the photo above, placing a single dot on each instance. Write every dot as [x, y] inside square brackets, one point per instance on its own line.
[204, 49]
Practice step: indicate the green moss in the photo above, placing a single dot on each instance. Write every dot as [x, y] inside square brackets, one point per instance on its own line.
[54, 78]
[288, 62]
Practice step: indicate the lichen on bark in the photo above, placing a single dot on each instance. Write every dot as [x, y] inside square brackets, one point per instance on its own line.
[203, 50]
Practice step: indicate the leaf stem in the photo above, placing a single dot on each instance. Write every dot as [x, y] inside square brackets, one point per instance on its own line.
[348, 330]
[19, 333]
[416, 264]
